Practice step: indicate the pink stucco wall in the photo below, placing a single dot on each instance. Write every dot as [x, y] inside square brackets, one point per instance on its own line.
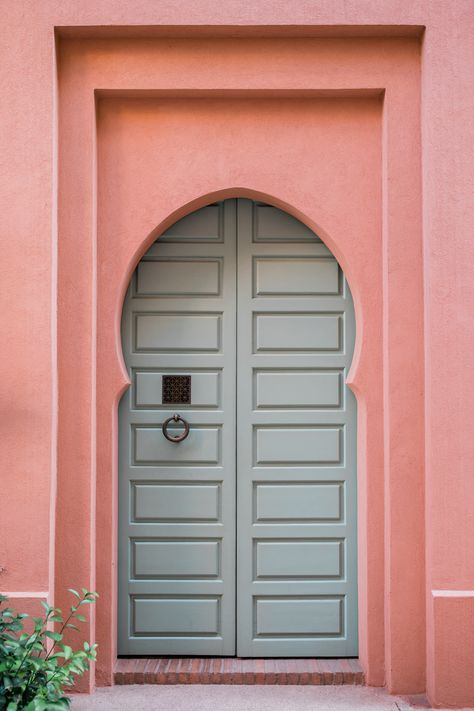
[87, 89]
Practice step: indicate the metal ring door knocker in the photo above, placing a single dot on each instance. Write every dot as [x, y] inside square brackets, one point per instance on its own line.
[179, 437]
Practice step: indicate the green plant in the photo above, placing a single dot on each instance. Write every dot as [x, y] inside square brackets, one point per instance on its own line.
[36, 666]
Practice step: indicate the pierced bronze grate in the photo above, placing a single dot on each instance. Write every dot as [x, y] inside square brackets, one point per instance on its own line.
[176, 390]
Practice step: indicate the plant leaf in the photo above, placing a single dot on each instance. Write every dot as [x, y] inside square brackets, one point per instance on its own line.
[53, 635]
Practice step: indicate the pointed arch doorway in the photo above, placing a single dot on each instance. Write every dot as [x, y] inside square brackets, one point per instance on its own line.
[240, 538]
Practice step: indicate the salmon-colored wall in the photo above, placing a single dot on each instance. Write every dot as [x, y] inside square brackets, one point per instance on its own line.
[95, 97]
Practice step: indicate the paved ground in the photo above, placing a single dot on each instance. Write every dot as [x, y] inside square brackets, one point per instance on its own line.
[240, 698]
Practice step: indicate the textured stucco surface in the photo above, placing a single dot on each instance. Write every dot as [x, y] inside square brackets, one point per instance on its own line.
[435, 520]
[161, 154]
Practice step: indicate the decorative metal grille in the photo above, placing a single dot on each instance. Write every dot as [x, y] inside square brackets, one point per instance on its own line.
[176, 390]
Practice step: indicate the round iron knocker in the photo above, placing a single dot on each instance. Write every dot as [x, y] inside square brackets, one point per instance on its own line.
[179, 437]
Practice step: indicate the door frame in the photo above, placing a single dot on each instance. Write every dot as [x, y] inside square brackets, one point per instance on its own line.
[358, 376]
[370, 485]
[383, 262]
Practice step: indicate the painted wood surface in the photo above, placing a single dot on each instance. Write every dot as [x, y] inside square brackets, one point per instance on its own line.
[242, 538]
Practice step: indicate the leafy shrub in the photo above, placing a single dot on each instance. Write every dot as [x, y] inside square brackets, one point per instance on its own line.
[35, 667]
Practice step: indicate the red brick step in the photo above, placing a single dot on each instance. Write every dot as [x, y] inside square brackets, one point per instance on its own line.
[233, 670]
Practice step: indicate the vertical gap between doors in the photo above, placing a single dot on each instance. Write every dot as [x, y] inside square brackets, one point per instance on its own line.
[236, 257]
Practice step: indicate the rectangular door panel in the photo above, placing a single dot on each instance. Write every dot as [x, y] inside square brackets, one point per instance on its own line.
[304, 332]
[175, 501]
[293, 276]
[170, 617]
[178, 277]
[205, 388]
[298, 445]
[177, 333]
[200, 447]
[322, 501]
[175, 559]
[300, 389]
[295, 559]
[298, 616]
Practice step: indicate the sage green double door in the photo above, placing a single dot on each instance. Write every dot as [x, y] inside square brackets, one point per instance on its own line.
[240, 539]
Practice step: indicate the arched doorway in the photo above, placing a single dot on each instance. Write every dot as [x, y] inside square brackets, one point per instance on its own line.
[241, 538]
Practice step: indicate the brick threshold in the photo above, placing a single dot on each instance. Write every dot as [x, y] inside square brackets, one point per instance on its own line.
[233, 670]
